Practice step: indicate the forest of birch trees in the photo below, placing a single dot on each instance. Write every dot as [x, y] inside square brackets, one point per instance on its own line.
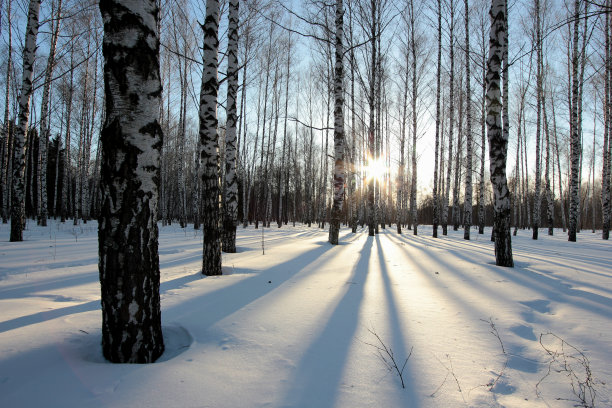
[221, 115]
[359, 112]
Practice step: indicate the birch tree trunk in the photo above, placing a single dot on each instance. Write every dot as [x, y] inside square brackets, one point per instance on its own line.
[209, 143]
[413, 189]
[371, 215]
[67, 143]
[516, 201]
[593, 161]
[437, 143]
[19, 138]
[377, 74]
[131, 144]
[525, 172]
[483, 131]
[401, 191]
[456, 211]
[81, 171]
[230, 215]
[44, 115]
[498, 144]
[247, 172]
[354, 174]
[549, 196]
[5, 175]
[536, 196]
[89, 190]
[451, 119]
[467, 204]
[582, 65]
[334, 223]
[605, 173]
[575, 145]
[57, 175]
[281, 184]
[519, 157]
[197, 191]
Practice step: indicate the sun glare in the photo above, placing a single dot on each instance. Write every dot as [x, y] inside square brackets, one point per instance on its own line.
[376, 169]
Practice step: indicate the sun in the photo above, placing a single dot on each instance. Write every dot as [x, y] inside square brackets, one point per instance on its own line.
[376, 169]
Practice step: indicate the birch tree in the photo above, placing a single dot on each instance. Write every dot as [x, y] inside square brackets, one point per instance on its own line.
[131, 143]
[607, 108]
[547, 186]
[414, 100]
[19, 138]
[334, 224]
[44, 114]
[467, 204]
[401, 192]
[575, 142]
[285, 156]
[372, 221]
[6, 170]
[483, 125]
[67, 143]
[209, 143]
[451, 119]
[538, 47]
[438, 113]
[498, 144]
[230, 215]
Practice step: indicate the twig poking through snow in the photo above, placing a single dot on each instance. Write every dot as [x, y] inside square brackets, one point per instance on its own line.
[494, 332]
[449, 371]
[573, 364]
[388, 358]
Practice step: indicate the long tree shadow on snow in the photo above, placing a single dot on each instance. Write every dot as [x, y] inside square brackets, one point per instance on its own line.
[318, 374]
[397, 341]
[551, 287]
[220, 303]
[480, 248]
[46, 315]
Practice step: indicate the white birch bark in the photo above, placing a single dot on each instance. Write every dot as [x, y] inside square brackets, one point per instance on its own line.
[437, 142]
[413, 186]
[58, 156]
[498, 144]
[81, 171]
[197, 192]
[230, 215]
[575, 143]
[371, 102]
[209, 143]
[605, 172]
[20, 134]
[451, 119]
[594, 162]
[334, 224]
[354, 174]
[483, 132]
[89, 196]
[559, 174]
[456, 211]
[281, 182]
[6, 170]
[547, 188]
[67, 143]
[401, 191]
[44, 115]
[467, 203]
[131, 142]
[536, 196]
[516, 203]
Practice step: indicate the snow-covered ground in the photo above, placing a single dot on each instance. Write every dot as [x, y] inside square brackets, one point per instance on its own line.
[301, 325]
